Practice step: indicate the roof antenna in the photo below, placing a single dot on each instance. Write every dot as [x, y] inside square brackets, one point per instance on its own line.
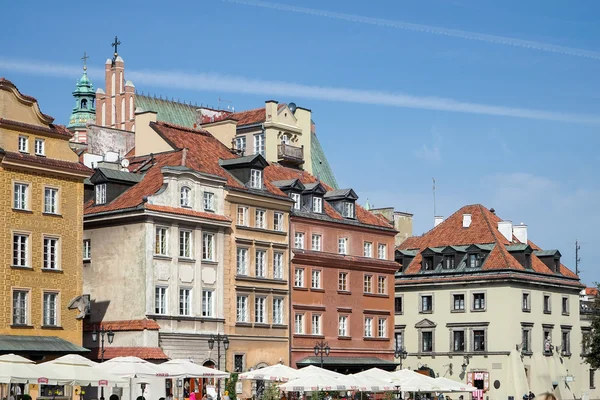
[434, 210]
[577, 258]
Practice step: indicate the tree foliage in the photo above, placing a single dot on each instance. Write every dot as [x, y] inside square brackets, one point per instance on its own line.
[591, 340]
[230, 385]
[271, 392]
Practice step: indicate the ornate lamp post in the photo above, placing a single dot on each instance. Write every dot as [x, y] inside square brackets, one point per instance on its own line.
[218, 338]
[400, 353]
[320, 348]
[110, 335]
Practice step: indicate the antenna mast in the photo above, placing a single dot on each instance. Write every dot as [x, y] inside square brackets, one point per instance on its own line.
[222, 100]
[434, 211]
[577, 258]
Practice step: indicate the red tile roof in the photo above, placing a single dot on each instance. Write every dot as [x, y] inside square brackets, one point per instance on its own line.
[125, 325]
[248, 117]
[48, 162]
[483, 230]
[52, 128]
[276, 172]
[187, 211]
[590, 291]
[145, 353]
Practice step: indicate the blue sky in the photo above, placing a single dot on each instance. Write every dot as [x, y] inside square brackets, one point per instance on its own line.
[497, 100]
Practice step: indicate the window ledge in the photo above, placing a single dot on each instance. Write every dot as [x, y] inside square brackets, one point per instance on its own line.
[21, 326]
[547, 312]
[344, 292]
[478, 310]
[526, 310]
[344, 337]
[457, 311]
[566, 314]
[52, 270]
[49, 214]
[21, 210]
[26, 268]
[426, 312]
[210, 262]
[380, 295]
[309, 336]
[53, 327]
[261, 325]
[186, 260]
[320, 290]
[376, 339]
[255, 229]
[162, 257]
[568, 355]
[528, 353]
[243, 324]
[259, 279]
[279, 326]
[304, 289]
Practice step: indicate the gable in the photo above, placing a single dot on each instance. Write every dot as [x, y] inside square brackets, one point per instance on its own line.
[18, 107]
[286, 116]
[425, 323]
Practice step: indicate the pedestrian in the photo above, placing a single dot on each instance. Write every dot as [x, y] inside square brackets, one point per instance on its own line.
[226, 395]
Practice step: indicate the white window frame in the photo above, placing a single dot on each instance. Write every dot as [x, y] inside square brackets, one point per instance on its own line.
[368, 325]
[185, 301]
[87, 249]
[185, 196]
[382, 327]
[368, 283]
[278, 222]
[315, 279]
[240, 143]
[186, 243]
[343, 245]
[299, 277]
[367, 249]
[161, 241]
[317, 204]
[348, 208]
[299, 323]
[20, 314]
[208, 246]
[50, 301]
[260, 310]
[316, 322]
[477, 306]
[161, 300]
[242, 261]
[208, 201]
[343, 326]
[100, 193]
[381, 284]
[51, 200]
[21, 196]
[260, 268]
[256, 179]
[316, 242]
[277, 265]
[241, 308]
[39, 147]
[259, 144]
[242, 216]
[278, 309]
[382, 251]
[297, 200]
[260, 218]
[20, 245]
[51, 253]
[343, 281]
[208, 305]
[23, 143]
[299, 240]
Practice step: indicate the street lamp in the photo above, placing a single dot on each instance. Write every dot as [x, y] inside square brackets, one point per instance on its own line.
[218, 338]
[398, 392]
[320, 348]
[400, 353]
[110, 336]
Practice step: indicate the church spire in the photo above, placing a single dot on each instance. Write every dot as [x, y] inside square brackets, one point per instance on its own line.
[84, 111]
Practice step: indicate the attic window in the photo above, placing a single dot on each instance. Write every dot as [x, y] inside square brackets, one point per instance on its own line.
[557, 265]
[449, 262]
[297, 199]
[317, 204]
[101, 193]
[428, 263]
[348, 209]
[474, 260]
[256, 179]
[185, 196]
[527, 260]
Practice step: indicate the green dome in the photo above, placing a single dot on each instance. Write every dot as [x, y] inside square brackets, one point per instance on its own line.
[84, 111]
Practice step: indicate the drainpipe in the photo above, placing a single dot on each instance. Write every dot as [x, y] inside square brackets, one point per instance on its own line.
[290, 313]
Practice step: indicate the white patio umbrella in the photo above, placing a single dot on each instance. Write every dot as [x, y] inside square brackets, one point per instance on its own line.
[130, 367]
[314, 383]
[16, 369]
[449, 385]
[370, 384]
[410, 381]
[312, 370]
[277, 372]
[376, 373]
[74, 369]
[187, 369]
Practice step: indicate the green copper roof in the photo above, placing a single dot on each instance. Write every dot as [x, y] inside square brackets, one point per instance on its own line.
[84, 110]
[167, 110]
[321, 168]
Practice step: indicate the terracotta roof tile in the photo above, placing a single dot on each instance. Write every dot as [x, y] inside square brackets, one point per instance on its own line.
[590, 291]
[125, 325]
[187, 211]
[49, 162]
[250, 116]
[145, 353]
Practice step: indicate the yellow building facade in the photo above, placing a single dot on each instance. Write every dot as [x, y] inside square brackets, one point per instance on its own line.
[41, 232]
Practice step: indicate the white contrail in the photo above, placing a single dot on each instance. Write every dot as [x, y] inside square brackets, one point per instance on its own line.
[482, 37]
[238, 84]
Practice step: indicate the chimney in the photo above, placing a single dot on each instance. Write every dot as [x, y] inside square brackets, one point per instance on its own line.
[466, 220]
[271, 110]
[437, 220]
[505, 228]
[520, 232]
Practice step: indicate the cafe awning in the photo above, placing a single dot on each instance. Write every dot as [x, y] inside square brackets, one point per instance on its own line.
[348, 362]
[38, 345]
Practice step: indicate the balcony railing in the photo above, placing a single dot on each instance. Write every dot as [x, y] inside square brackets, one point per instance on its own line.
[286, 152]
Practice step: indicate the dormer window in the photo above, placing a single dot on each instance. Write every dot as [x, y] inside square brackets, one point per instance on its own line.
[428, 263]
[256, 179]
[474, 260]
[348, 209]
[449, 262]
[297, 200]
[101, 193]
[185, 197]
[557, 265]
[317, 204]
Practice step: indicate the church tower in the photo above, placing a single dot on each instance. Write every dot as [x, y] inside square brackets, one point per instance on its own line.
[116, 105]
[84, 111]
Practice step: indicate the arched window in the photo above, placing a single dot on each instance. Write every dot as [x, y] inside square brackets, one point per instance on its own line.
[84, 104]
[185, 198]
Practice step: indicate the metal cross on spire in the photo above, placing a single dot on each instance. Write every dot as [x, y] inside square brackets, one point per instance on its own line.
[115, 44]
[85, 58]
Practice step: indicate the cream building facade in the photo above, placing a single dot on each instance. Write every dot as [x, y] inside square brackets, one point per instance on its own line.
[477, 302]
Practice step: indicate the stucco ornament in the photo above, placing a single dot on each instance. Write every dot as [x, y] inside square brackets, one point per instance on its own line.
[81, 303]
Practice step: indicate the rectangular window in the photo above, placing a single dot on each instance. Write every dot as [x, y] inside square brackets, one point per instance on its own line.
[242, 216]
[299, 324]
[23, 144]
[399, 340]
[565, 342]
[381, 285]
[256, 179]
[473, 261]
[316, 324]
[592, 379]
[87, 249]
[160, 300]
[299, 277]
[277, 265]
[368, 284]
[260, 305]
[20, 250]
[478, 340]
[343, 325]
[278, 221]
[240, 143]
[101, 193]
[368, 249]
[348, 209]
[21, 196]
[50, 200]
[427, 263]
[209, 201]
[261, 263]
[299, 240]
[478, 301]
[50, 309]
[208, 246]
[368, 327]
[317, 204]
[207, 303]
[398, 306]
[278, 311]
[39, 147]
[242, 309]
[458, 340]
[315, 281]
[185, 302]
[565, 306]
[297, 200]
[449, 262]
[161, 245]
[547, 304]
[382, 327]
[185, 197]
[242, 261]
[316, 242]
[382, 251]
[260, 219]
[259, 144]
[20, 307]
[343, 281]
[427, 342]
[342, 245]
[459, 302]
[185, 244]
[427, 303]
[525, 340]
[526, 302]
[51, 253]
